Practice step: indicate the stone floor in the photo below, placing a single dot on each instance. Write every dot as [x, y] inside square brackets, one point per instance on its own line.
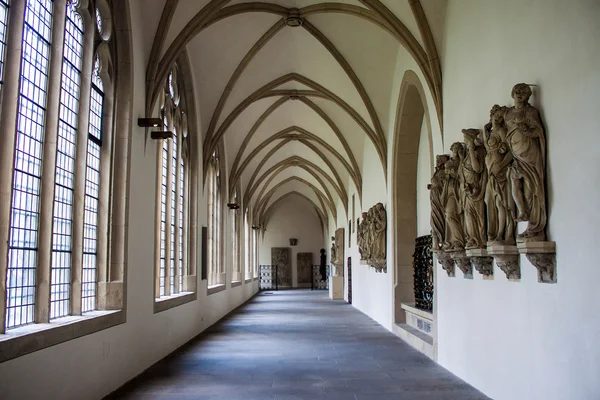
[297, 345]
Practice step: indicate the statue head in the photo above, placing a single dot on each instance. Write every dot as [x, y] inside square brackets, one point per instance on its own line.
[333, 238]
[457, 149]
[322, 251]
[441, 159]
[497, 114]
[364, 215]
[521, 93]
[472, 135]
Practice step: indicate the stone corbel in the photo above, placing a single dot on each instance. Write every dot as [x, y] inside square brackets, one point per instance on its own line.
[463, 263]
[446, 262]
[507, 259]
[481, 261]
[543, 256]
[379, 265]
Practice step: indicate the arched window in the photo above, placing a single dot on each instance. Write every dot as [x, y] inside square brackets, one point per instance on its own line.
[59, 146]
[216, 274]
[172, 197]
[247, 246]
[236, 270]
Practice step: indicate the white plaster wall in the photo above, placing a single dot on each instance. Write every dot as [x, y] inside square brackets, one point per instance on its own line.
[92, 366]
[527, 340]
[296, 218]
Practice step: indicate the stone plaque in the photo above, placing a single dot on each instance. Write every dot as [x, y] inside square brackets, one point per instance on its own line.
[282, 257]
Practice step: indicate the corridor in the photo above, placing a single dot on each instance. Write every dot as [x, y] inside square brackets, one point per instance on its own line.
[297, 345]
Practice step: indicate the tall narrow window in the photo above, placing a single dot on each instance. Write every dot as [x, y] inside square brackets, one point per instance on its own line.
[172, 234]
[4, 4]
[247, 257]
[65, 164]
[22, 254]
[236, 275]
[92, 185]
[215, 275]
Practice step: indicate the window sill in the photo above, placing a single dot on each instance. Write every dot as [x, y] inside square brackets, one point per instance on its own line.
[29, 338]
[215, 289]
[167, 302]
[248, 280]
[255, 278]
[236, 284]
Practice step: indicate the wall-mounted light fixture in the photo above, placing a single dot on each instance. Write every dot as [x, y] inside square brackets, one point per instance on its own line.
[255, 227]
[161, 135]
[149, 122]
[233, 206]
[293, 241]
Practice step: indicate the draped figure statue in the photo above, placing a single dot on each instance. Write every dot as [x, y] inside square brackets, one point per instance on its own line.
[499, 201]
[452, 196]
[379, 230]
[474, 179]
[527, 143]
[436, 187]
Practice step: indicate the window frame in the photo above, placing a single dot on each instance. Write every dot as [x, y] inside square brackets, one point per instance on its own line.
[178, 285]
[110, 308]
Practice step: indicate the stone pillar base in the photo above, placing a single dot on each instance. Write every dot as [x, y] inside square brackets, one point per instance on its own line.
[336, 287]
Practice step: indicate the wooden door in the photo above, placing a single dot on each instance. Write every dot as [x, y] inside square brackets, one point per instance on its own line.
[304, 264]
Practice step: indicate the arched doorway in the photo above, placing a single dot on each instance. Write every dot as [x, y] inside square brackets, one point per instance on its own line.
[411, 169]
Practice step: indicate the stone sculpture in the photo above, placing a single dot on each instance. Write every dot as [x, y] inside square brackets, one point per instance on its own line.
[474, 180]
[452, 200]
[372, 239]
[323, 265]
[527, 143]
[436, 187]
[505, 173]
[498, 197]
[333, 253]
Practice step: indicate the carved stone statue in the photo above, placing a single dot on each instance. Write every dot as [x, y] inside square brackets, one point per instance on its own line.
[474, 180]
[498, 197]
[333, 254]
[436, 187]
[323, 265]
[527, 143]
[361, 235]
[379, 232]
[452, 200]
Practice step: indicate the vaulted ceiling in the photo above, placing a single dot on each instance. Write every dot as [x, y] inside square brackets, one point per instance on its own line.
[295, 89]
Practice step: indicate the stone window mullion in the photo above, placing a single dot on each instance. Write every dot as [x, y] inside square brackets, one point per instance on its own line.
[8, 126]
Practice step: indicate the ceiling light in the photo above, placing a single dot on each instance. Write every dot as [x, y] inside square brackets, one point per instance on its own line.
[293, 18]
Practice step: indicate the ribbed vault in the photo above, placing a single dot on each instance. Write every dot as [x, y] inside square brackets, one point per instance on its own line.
[294, 91]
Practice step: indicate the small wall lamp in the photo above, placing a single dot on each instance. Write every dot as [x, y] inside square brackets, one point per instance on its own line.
[161, 135]
[233, 206]
[149, 122]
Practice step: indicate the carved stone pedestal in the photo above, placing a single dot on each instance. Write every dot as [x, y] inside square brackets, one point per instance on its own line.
[543, 256]
[337, 270]
[507, 259]
[482, 262]
[336, 287]
[445, 261]
[463, 263]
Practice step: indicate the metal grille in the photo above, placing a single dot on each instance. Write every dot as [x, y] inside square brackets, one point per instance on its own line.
[423, 273]
[3, 19]
[319, 279]
[173, 211]
[181, 200]
[92, 189]
[60, 280]
[22, 256]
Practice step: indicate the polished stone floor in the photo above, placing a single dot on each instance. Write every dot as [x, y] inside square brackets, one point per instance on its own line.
[297, 345]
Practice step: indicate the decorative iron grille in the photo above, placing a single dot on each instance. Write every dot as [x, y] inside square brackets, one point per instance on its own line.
[423, 273]
[268, 277]
[317, 282]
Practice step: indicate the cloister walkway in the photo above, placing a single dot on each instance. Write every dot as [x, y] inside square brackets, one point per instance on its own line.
[297, 345]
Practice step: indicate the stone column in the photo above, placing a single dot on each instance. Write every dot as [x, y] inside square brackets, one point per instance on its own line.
[46, 218]
[178, 188]
[8, 128]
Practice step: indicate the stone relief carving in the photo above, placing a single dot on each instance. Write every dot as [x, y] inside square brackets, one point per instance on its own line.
[436, 187]
[477, 190]
[282, 258]
[372, 239]
[333, 252]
